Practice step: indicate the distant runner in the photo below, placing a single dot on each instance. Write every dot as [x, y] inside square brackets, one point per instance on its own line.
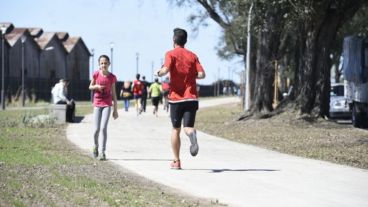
[137, 93]
[155, 91]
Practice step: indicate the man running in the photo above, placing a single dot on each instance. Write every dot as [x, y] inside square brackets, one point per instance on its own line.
[184, 68]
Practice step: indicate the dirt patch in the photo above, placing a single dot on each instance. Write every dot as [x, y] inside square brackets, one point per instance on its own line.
[318, 139]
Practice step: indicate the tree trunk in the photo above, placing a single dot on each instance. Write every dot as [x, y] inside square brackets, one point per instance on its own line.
[314, 74]
[268, 46]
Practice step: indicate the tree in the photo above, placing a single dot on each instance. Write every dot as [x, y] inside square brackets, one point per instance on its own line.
[318, 27]
[298, 33]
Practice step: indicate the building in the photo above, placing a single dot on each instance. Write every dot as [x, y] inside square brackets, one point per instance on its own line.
[77, 63]
[44, 58]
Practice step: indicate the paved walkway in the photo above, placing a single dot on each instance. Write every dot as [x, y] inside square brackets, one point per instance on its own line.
[235, 174]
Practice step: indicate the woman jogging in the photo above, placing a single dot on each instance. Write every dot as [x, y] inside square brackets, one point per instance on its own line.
[103, 85]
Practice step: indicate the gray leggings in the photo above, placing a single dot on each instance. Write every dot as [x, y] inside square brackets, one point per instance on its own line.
[101, 115]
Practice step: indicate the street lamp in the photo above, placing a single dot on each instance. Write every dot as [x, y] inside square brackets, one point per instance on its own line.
[92, 68]
[152, 68]
[112, 50]
[93, 60]
[137, 60]
[3, 30]
[23, 38]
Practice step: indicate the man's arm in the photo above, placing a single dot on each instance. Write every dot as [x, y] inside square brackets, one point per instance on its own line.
[201, 75]
[163, 71]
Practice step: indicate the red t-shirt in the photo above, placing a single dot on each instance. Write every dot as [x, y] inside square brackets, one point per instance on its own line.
[184, 67]
[137, 87]
[104, 97]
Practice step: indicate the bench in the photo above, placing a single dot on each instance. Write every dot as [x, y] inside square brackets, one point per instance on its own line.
[59, 112]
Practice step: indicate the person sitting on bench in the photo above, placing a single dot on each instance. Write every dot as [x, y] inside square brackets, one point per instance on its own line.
[59, 96]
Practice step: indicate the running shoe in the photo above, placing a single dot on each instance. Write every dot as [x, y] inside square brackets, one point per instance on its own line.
[194, 145]
[103, 157]
[95, 152]
[175, 165]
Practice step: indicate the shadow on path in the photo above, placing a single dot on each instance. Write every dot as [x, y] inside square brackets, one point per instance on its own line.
[142, 159]
[235, 170]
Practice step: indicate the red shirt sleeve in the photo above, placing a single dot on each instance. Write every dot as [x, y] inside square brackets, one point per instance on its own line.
[198, 65]
[114, 80]
[95, 75]
[168, 60]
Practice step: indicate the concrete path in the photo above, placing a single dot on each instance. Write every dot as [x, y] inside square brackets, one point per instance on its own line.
[232, 173]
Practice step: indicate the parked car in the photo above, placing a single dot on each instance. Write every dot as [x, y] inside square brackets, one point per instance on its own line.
[339, 106]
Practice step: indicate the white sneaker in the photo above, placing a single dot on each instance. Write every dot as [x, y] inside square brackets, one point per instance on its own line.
[194, 145]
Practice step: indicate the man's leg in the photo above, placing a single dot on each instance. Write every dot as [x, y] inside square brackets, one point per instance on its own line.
[70, 111]
[143, 102]
[189, 120]
[176, 117]
[175, 143]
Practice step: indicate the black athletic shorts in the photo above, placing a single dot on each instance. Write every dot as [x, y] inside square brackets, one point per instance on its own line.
[155, 100]
[183, 110]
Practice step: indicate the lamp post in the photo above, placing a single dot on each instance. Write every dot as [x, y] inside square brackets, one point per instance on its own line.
[92, 68]
[23, 38]
[112, 50]
[3, 30]
[152, 68]
[137, 61]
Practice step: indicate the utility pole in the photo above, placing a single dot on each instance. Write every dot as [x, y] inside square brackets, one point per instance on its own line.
[137, 62]
[92, 68]
[23, 39]
[218, 82]
[152, 68]
[247, 85]
[112, 53]
[3, 31]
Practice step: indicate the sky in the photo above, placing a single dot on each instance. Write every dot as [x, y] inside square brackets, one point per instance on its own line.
[133, 26]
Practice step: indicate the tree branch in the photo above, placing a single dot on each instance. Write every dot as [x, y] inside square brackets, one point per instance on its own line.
[213, 14]
[224, 24]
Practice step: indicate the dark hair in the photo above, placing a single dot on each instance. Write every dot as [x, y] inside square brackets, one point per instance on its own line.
[144, 77]
[137, 76]
[156, 80]
[180, 36]
[104, 56]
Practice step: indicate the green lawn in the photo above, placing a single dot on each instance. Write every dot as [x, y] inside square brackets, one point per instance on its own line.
[39, 167]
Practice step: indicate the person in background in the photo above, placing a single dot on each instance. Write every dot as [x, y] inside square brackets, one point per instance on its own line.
[103, 85]
[155, 91]
[165, 93]
[126, 94]
[144, 93]
[184, 68]
[60, 96]
[137, 93]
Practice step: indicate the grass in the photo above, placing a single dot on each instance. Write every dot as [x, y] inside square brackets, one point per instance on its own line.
[323, 140]
[39, 167]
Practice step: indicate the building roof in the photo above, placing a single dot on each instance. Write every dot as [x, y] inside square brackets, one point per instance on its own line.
[9, 26]
[62, 35]
[44, 39]
[71, 42]
[35, 32]
[14, 35]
